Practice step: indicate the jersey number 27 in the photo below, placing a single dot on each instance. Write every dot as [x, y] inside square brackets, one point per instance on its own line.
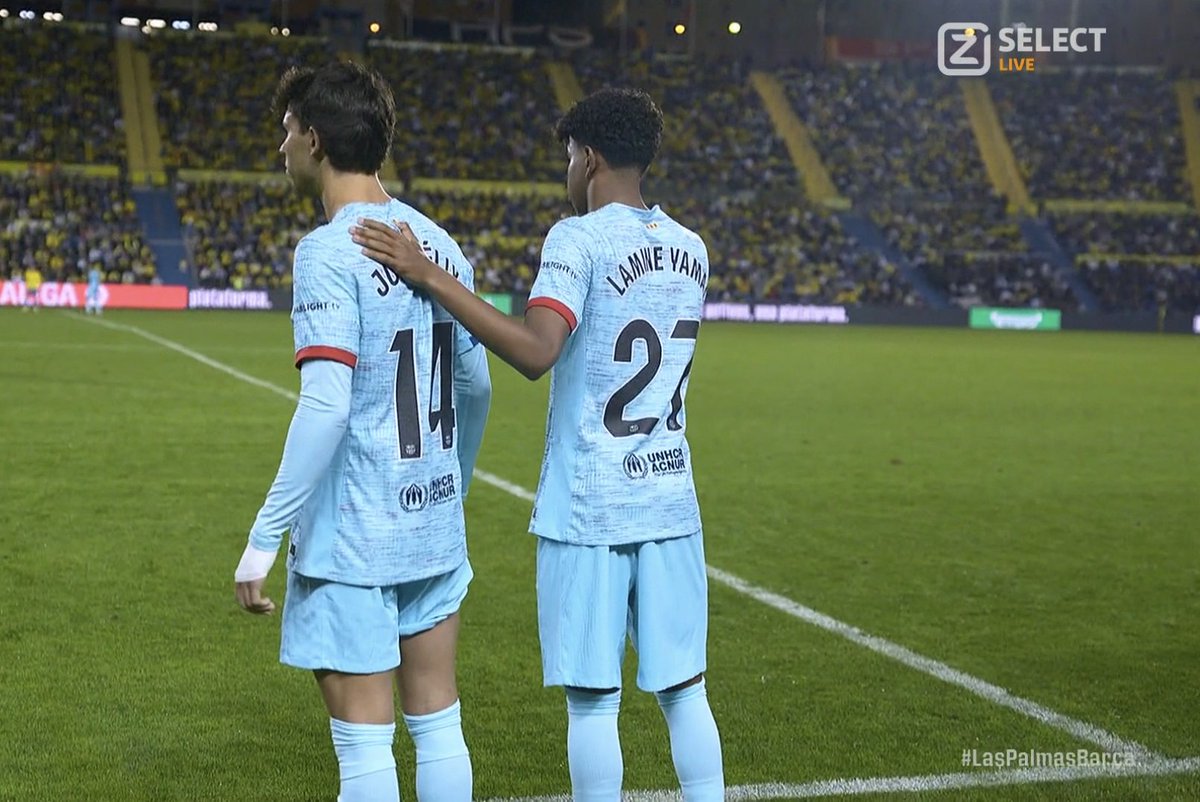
[614, 410]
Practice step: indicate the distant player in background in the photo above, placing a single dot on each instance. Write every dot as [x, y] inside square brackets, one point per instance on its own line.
[393, 400]
[92, 299]
[614, 312]
[33, 287]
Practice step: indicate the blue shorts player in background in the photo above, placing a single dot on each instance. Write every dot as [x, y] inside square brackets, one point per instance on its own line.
[614, 312]
[92, 299]
[393, 400]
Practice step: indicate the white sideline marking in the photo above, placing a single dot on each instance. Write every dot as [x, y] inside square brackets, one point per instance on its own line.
[54, 346]
[916, 784]
[934, 668]
[505, 485]
[188, 352]
[7, 344]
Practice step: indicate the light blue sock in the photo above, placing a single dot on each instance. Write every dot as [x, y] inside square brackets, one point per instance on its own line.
[594, 746]
[366, 762]
[443, 762]
[695, 743]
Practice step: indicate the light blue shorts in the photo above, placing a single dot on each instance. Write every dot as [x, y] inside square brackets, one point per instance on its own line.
[591, 597]
[357, 630]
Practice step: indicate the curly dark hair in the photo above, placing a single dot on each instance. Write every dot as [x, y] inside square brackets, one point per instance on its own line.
[350, 106]
[623, 125]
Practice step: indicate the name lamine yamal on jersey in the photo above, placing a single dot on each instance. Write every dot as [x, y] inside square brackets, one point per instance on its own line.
[649, 259]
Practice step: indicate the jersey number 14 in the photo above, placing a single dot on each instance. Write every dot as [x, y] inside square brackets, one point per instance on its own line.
[408, 415]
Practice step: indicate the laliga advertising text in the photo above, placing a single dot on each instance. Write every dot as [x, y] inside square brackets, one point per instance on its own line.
[965, 48]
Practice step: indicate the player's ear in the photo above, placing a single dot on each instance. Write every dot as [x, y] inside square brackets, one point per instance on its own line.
[591, 161]
[314, 144]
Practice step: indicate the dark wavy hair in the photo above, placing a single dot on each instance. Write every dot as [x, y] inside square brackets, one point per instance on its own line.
[623, 125]
[349, 106]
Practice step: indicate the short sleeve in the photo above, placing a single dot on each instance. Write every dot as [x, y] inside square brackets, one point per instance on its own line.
[464, 340]
[565, 273]
[325, 316]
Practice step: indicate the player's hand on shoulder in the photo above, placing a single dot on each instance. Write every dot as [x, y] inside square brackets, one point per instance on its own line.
[397, 248]
[249, 578]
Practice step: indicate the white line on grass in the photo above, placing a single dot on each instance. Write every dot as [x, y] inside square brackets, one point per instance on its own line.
[11, 344]
[934, 668]
[917, 784]
[53, 346]
[188, 352]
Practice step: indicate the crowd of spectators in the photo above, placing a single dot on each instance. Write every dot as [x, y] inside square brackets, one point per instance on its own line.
[1094, 135]
[1143, 234]
[214, 97]
[924, 230]
[717, 135]
[896, 139]
[242, 235]
[58, 99]
[890, 132]
[1000, 279]
[789, 253]
[65, 224]
[472, 113]
[1144, 286]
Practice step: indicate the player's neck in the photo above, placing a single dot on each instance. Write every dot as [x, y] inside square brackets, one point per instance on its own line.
[341, 189]
[600, 194]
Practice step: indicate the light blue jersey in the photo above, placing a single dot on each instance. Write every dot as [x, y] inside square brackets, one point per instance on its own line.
[617, 468]
[93, 284]
[389, 510]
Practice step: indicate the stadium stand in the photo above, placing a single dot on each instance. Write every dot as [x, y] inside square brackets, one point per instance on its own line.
[717, 138]
[214, 97]
[58, 102]
[920, 231]
[892, 133]
[789, 253]
[495, 124]
[976, 254]
[1000, 279]
[897, 140]
[1144, 234]
[64, 224]
[1136, 262]
[1131, 286]
[242, 234]
[1095, 135]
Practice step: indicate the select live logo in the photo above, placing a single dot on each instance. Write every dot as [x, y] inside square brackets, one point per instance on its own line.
[965, 48]
[1016, 63]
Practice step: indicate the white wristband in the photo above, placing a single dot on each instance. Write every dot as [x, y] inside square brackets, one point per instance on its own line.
[255, 564]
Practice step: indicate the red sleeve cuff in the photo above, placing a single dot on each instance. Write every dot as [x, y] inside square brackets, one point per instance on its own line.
[326, 352]
[557, 306]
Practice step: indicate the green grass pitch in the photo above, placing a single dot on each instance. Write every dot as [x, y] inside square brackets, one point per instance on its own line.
[1020, 506]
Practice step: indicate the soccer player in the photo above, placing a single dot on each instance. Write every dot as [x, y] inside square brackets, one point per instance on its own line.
[614, 313]
[393, 399]
[33, 285]
[92, 299]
